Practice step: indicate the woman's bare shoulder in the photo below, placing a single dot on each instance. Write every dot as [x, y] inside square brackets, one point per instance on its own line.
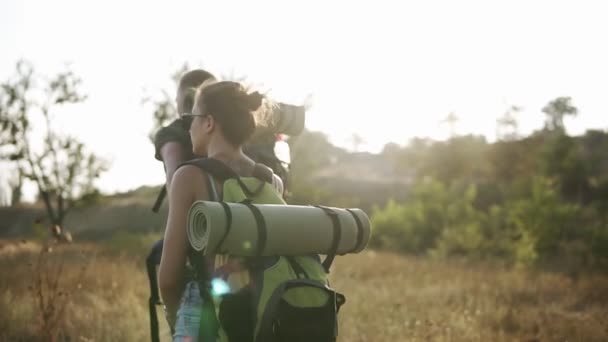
[189, 179]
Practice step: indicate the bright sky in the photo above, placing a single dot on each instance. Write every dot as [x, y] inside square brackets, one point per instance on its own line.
[386, 70]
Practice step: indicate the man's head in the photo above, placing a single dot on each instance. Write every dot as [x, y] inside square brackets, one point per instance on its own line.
[186, 89]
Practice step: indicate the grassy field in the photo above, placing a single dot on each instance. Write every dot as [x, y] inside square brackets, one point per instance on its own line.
[98, 292]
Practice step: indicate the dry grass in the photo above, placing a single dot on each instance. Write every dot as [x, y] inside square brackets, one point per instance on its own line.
[106, 303]
[404, 299]
[389, 298]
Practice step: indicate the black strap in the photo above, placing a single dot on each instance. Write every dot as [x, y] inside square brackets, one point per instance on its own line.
[152, 261]
[159, 199]
[215, 167]
[212, 189]
[298, 269]
[263, 172]
[248, 192]
[203, 278]
[223, 172]
[228, 214]
[337, 227]
[359, 231]
[154, 334]
[260, 225]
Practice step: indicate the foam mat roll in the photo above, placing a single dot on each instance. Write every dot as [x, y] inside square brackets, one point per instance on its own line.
[289, 229]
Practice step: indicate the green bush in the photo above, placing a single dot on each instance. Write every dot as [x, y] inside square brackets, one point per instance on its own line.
[412, 226]
[544, 220]
[443, 221]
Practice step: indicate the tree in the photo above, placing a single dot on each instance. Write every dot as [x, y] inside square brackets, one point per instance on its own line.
[506, 125]
[563, 159]
[4, 194]
[357, 140]
[11, 104]
[449, 161]
[451, 120]
[16, 184]
[62, 169]
[310, 152]
[556, 110]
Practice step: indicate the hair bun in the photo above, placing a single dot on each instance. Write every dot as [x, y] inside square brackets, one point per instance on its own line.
[254, 100]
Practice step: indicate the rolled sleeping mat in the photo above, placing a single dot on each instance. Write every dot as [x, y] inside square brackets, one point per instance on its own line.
[267, 229]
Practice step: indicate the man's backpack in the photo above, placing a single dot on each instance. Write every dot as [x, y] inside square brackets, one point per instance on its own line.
[271, 298]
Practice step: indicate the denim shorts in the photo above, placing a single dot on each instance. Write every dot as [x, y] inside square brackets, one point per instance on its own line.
[188, 314]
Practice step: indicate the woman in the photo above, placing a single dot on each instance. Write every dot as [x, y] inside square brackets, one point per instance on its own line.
[223, 120]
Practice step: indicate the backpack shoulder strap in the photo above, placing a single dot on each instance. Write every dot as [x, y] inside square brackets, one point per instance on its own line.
[213, 167]
[222, 172]
[263, 172]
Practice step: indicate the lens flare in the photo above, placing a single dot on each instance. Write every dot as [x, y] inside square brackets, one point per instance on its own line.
[219, 287]
[247, 245]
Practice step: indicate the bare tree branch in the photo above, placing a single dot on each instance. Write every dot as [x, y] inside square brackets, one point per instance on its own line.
[63, 171]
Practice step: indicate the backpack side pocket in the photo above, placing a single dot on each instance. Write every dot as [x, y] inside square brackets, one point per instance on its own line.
[235, 316]
[301, 310]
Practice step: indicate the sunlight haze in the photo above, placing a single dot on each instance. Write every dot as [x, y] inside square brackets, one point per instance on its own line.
[387, 71]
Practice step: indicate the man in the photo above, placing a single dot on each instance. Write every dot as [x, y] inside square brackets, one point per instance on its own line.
[172, 143]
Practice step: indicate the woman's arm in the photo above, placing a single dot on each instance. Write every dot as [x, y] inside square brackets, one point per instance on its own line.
[186, 186]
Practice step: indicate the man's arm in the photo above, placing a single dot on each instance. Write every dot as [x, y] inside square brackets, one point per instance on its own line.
[173, 147]
[172, 154]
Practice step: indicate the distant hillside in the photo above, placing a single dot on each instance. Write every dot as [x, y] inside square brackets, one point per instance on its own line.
[360, 179]
[365, 167]
[130, 211]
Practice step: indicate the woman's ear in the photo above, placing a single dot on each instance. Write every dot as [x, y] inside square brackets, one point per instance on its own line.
[210, 123]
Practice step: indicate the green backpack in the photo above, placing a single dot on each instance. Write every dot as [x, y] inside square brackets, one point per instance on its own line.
[286, 298]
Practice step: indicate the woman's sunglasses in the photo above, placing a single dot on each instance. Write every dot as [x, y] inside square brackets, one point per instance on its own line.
[187, 118]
